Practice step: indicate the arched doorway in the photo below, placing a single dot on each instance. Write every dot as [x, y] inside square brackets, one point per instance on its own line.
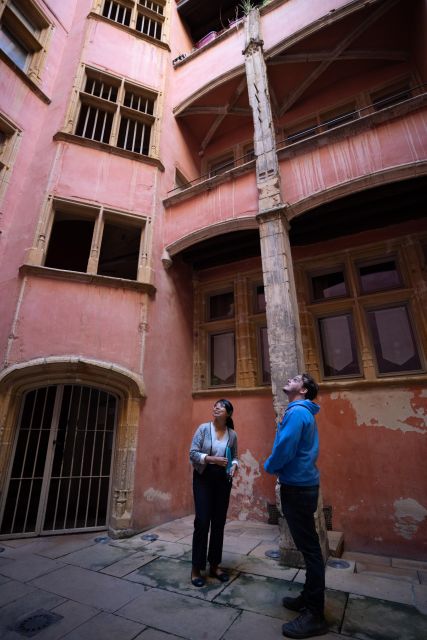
[59, 478]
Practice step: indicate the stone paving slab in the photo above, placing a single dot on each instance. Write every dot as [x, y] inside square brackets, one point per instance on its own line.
[157, 547]
[422, 576]
[29, 567]
[404, 563]
[106, 626]
[394, 573]
[364, 585]
[88, 587]
[189, 618]
[128, 564]
[11, 590]
[12, 613]
[367, 557]
[174, 575]
[374, 619]
[96, 557]
[155, 634]
[240, 544]
[266, 567]
[258, 551]
[264, 595]
[73, 615]
[253, 626]
[420, 597]
[50, 546]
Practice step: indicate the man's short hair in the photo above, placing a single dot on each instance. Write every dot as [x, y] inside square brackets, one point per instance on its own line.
[311, 385]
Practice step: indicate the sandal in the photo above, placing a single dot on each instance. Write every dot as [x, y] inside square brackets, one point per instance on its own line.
[219, 575]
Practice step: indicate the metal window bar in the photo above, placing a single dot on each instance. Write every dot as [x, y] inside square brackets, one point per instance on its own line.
[149, 26]
[24, 460]
[101, 462]
[153, 6]
[35, 460]
[116, 12]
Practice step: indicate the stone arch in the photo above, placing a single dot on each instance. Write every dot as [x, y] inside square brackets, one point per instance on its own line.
[126, 385]
[226, 226]
[387, 176]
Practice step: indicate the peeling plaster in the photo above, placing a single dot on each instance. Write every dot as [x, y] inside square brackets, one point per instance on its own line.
[408, 513]
[154, 495]
[243, 487]
[395, 410]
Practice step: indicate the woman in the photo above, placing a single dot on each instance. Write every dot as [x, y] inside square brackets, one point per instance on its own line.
[213, 455]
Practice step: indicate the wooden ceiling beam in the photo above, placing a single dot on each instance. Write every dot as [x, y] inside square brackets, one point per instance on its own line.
[230, 105]
[335, 54]
[320, 56]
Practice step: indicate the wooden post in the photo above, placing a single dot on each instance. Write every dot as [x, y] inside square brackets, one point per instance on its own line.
[284, 334]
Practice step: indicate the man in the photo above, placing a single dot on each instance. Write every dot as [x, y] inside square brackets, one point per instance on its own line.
[293, 459]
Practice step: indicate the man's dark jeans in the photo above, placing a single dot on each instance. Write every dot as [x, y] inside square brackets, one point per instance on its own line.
[299, 505]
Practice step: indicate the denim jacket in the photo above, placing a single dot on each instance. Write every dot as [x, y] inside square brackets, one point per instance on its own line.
[202, 443]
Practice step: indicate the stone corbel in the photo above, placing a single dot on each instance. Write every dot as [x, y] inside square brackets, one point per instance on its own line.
[166, 259]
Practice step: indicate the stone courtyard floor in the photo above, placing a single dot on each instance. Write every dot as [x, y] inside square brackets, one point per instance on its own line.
[74, 587]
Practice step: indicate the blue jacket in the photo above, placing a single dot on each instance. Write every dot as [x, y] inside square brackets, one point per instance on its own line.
[296, 445]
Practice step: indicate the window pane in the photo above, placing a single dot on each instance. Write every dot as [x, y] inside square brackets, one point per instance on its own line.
[222, 359]
[260, 305]
[221, 166]
[328, 285]
[393, 339]
[379, 276]
[221, 306]
[69, 244]
[265, 360]
[338, 344]
[13, 48]
[119, 251]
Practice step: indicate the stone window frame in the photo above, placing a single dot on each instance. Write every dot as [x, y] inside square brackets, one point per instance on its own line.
[79, 96]
[100, 214]
[134, 9]
[35, 42]
[408, 255]
[11, 135]
[245, 323]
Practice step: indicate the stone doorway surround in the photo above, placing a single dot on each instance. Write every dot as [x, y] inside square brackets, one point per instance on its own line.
[129, 387]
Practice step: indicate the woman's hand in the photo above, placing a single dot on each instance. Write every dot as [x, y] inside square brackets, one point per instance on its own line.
[221, 462]
[233, 470]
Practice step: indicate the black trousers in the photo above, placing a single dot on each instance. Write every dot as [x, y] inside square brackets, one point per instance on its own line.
[211, 491]
[299, 505]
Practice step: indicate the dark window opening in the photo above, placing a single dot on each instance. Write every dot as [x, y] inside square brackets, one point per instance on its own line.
[134, 136]
[379, 276]
[70, 243]
[13, 47]
[119, 251]
[117, 12]
[265, 359]
[389, 97]
[260, 304]
[221, 166]
[94, 123]
[221, 306]
[328, 285]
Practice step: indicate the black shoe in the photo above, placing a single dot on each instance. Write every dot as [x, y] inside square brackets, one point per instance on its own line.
[197, 581]
[294, 604]
[305, 625]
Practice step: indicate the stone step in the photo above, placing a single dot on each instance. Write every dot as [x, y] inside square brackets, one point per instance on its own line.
[336, 543]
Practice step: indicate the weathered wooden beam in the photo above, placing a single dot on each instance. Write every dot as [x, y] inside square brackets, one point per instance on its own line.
[214, 126]
[320, 56]
[335, 54]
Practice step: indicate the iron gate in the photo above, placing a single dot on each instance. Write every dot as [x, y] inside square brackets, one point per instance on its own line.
[59, 479]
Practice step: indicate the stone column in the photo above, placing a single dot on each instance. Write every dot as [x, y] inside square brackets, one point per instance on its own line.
[284, 334]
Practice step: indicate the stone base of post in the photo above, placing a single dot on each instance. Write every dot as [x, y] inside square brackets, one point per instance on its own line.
[289, 554]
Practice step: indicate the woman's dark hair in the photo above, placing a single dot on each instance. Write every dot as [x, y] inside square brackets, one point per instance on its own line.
[311, 385]
[229, 409]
